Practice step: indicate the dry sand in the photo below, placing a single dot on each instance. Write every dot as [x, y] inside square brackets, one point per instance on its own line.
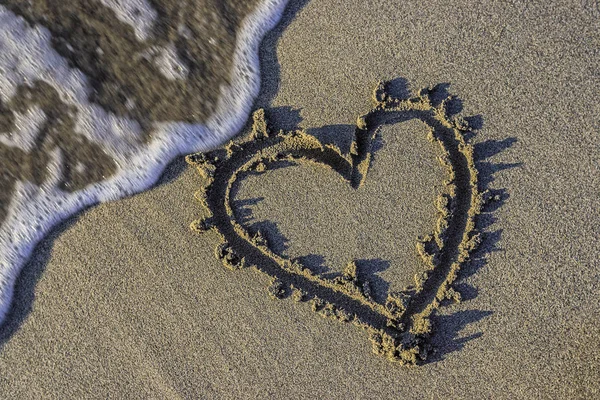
[125, 301]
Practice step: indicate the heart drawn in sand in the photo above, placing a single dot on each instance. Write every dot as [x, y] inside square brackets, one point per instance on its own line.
[399, 327]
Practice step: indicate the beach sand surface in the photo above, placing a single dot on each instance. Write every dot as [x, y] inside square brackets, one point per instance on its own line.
[125, 301]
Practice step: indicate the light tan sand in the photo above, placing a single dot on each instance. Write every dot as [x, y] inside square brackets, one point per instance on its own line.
[129, 303]
[317, 211]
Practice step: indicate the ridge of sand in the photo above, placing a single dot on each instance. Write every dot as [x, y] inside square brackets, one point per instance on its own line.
[399, 328]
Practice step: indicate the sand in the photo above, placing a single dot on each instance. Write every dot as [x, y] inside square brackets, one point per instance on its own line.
[50, 171]
[125, 300]
[125, 63]
[131, 74]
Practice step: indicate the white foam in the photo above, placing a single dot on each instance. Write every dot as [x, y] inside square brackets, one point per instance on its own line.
[27, 127]
[169, 63]
[26, 55]
[137, 13]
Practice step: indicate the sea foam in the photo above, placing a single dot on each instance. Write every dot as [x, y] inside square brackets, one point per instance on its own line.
[26, 55]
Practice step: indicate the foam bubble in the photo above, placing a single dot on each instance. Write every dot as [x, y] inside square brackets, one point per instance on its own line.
[26, 55]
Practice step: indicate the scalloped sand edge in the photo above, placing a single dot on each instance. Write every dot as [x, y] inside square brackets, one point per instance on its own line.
[400, 328]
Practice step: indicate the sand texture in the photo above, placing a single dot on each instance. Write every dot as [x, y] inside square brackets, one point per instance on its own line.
[125, 300]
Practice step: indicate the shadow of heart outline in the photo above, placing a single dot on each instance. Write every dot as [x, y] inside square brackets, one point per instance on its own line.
[400, 328]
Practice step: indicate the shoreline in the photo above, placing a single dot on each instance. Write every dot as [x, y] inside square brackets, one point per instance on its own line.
[125, 300]
[18, 236]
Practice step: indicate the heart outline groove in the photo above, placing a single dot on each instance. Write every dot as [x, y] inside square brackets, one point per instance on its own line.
[399, 328]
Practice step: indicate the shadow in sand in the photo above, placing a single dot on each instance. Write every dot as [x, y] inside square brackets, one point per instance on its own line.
[447, 328]
[368, 270]
[270, 77]
[314, 262]
[341, 135]
[270, 231]
[447, 337]
[243, 212]
[24, 294]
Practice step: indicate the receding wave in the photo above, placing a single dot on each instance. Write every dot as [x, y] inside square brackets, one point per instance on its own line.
[69, 140]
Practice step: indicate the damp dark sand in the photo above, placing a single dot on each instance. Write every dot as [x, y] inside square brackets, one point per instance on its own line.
[126, 78]
[125, 300]
[96, 98]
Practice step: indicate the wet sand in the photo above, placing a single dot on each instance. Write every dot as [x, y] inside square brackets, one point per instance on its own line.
[125, 300]
[172, 70]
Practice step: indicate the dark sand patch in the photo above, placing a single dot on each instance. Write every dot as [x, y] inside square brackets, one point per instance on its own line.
[124, 79]
[83, 161]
